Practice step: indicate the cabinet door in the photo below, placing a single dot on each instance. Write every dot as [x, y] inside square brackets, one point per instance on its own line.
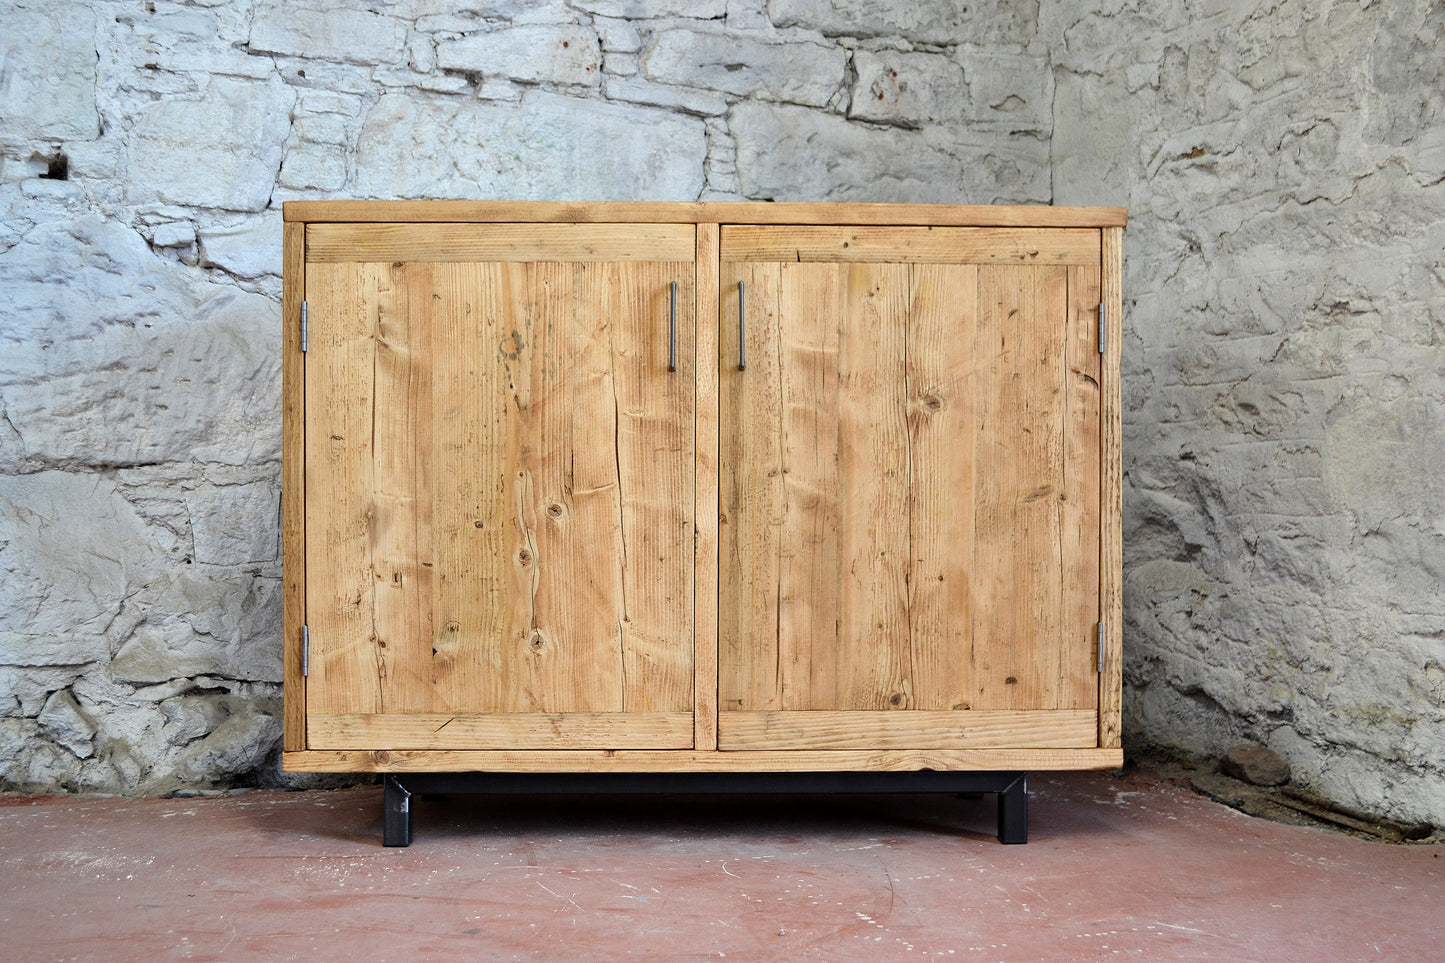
[910, 489]
[499, 475]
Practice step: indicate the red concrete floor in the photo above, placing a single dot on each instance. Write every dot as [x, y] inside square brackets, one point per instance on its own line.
[1116, 867]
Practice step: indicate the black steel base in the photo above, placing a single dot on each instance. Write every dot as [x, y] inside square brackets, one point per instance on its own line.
[1012, 789]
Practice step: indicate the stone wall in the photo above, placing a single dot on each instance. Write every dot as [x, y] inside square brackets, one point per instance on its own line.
[1284, 424]
[1284, 509]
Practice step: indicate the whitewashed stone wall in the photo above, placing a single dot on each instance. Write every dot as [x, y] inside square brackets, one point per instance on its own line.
[1284, 428]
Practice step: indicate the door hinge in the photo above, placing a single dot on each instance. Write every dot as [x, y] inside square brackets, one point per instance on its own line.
[303, 326]
[1101, 649]
[305, 650]
[1102, 327]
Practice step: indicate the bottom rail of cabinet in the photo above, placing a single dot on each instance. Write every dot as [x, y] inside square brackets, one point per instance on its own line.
[1011, 787]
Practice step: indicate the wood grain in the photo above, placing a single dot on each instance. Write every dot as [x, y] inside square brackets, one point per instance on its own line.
[750, 488]
[809, 565]
[507, 512]
[714, 212]
[1046, 729]
[293, 484]
[705, 558]
[500, 242]
[512, 731]
[942, 379]
[872, 660]
[1111, 565]
[891, 245]
[400, 495]
[344, 302]
[788, 760]
[1080, 498]
[1016, 630]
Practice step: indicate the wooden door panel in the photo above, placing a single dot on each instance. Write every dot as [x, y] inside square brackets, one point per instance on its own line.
[503, 465]
[909, 499]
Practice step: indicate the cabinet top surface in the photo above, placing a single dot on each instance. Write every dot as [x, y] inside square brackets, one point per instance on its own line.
[712, 212]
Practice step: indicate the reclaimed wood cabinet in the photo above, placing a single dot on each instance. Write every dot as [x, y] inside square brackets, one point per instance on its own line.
[653, 490]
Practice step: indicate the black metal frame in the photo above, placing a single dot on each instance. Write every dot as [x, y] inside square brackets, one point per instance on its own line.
[1012, 789]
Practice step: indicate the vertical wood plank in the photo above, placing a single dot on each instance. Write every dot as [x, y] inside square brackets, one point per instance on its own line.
[293, 483]
[810, 306]
[340, 395]
[707, 319]
[654, 456]
[873, 554]
[468, 435]
[941, 422]
[401, 509]
[1078, 681]
[750, 489]
[1112, 550]
[569, 555]
[1017, 518]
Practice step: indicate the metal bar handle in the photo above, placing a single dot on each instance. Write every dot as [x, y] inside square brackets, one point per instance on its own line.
[742, 333]
[672, 332]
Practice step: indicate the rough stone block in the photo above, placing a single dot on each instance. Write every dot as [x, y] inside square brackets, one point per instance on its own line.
[158, 653]
[934, 21]
[327, 33]
[313, 168]
[802, 73]
[541, 54]
[246, 248]
[650, 9]
[63, 721]
[235, 524]
[792, 153]
[1256, 765]
[548, 147]
[133, 360]
[174, 234]
[48, 89]
[71, 551]
[1008, 90]
[911, 89]
[660, 95]
[222, 150]
[617, 36]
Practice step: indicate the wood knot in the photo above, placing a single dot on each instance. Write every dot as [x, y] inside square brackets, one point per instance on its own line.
[477, 523]
[454, 626]
[895, 699]
[931, 402]
[1011, 681]
[555, 510]
[524, 557]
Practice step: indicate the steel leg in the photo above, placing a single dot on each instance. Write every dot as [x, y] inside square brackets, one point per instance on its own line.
[396, 816]
[1013, 811]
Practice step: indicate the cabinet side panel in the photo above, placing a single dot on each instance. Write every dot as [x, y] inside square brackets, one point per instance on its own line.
[1112, 554]
[340, 402]
[942, 379]
[1079, 677]
[293, 483]
[750, 488]
[873, 552]
[1020, 410]
[810, 301]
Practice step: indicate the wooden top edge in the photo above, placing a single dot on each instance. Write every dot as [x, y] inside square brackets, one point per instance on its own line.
[719, 212]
